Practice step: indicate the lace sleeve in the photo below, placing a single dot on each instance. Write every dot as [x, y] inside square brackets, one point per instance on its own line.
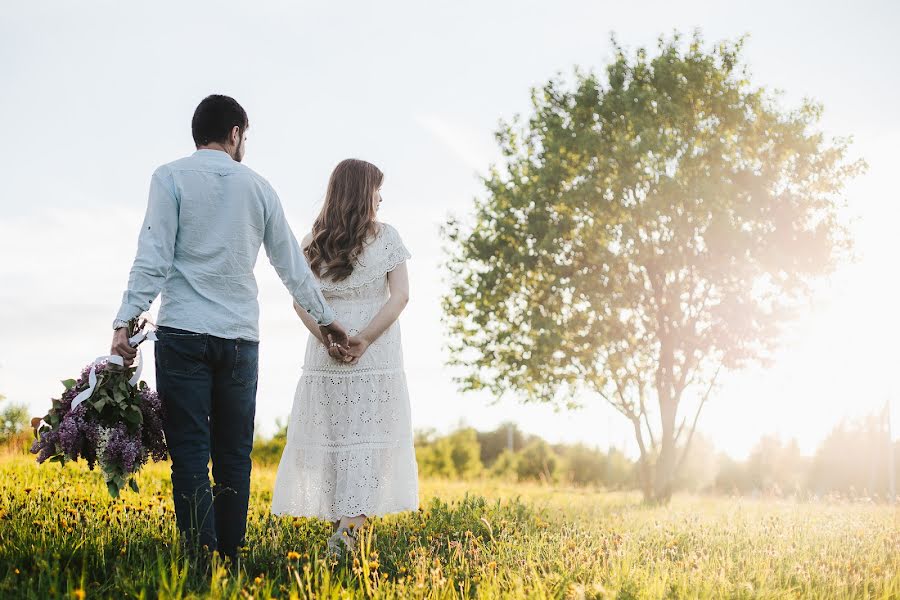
[395, 251]
[384, 254]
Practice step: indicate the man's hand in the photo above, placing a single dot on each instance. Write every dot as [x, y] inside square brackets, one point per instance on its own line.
[334, 333]
[121, 347]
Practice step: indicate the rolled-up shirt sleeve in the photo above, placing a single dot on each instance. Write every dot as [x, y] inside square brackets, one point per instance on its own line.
[156, 248]
[286, 256]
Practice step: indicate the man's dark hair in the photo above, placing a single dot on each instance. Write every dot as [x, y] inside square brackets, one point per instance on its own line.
[214, 118]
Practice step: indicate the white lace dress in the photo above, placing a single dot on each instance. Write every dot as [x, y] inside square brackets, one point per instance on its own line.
[349, 444]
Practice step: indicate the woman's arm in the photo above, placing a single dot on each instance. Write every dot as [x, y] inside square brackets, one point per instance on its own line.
[398, 283]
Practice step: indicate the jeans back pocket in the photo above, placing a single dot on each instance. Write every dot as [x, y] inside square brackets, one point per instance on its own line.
[246, 362]
[181, 353]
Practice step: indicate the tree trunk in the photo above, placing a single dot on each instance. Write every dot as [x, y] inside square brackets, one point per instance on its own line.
[645, 477]
[665, 466]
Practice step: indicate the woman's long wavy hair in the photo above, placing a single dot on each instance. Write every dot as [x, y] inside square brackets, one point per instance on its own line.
[347, 219]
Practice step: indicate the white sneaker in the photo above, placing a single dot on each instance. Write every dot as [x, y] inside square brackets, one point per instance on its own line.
[342, 540]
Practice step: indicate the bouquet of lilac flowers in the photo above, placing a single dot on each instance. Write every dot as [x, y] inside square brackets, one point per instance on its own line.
[107, 417]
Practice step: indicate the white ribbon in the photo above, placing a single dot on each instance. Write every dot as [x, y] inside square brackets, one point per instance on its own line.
[134, 342]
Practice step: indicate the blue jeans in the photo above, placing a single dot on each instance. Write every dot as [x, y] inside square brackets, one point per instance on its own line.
[208, 390]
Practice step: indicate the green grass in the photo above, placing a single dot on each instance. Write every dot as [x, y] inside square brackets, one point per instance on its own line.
[62, 536]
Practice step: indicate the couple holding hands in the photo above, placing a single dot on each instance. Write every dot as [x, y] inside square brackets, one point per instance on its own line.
[349, 452]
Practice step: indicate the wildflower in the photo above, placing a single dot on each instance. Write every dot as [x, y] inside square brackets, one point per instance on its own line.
[293, 555]
[258, 580]
[78, 594]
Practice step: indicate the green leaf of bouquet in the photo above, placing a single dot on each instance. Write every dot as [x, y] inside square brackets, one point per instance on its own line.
[69, 383]
[132, 483]
[132, 415]
[113, 489]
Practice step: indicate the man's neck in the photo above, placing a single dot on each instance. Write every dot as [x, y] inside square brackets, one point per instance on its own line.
[216, 146]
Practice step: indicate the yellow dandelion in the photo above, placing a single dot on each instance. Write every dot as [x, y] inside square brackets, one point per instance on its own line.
[258, 580]
[293, 555]
[79, 594]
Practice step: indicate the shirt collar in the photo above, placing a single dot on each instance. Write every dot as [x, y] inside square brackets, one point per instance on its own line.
[212, 153]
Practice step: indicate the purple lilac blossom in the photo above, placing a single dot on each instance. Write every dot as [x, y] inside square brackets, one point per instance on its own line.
[152, 428]
[123, 449]
[71, 432]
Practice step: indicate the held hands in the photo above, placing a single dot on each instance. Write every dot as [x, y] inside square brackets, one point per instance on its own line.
[333, 334]
[356, 347]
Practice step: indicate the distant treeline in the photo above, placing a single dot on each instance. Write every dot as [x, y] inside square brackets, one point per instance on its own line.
[854, 461]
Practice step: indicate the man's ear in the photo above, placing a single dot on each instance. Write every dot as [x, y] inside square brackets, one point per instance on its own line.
[236, 135]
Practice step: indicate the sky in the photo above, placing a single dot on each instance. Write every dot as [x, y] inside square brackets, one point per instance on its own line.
[96, 95]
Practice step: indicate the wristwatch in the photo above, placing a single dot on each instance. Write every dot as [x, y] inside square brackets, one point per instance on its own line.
[119, 324]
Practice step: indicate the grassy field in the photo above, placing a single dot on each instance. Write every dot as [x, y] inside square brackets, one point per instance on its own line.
[61, 536]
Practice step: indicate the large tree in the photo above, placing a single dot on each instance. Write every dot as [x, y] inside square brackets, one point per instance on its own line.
[644, 231]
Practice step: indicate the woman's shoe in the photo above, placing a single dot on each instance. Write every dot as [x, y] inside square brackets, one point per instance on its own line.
[342, 540]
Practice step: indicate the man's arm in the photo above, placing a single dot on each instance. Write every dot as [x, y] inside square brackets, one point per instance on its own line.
[310, 323]
[156, 249]
[285, 255]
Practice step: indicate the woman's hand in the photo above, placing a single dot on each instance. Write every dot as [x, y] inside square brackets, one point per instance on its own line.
[357, 346]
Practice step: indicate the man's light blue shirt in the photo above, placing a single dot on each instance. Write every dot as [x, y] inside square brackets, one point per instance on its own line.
[206, 219]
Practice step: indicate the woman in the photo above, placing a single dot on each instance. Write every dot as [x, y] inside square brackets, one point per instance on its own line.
[349, 452]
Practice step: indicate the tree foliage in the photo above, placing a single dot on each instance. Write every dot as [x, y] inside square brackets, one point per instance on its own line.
[645, 230]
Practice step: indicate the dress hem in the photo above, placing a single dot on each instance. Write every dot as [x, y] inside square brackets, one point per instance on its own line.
[332, 517]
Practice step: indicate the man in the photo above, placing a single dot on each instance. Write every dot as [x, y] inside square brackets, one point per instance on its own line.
[206, 219]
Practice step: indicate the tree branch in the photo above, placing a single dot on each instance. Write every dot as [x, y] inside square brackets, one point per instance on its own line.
[647, 418]
[703, 400]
